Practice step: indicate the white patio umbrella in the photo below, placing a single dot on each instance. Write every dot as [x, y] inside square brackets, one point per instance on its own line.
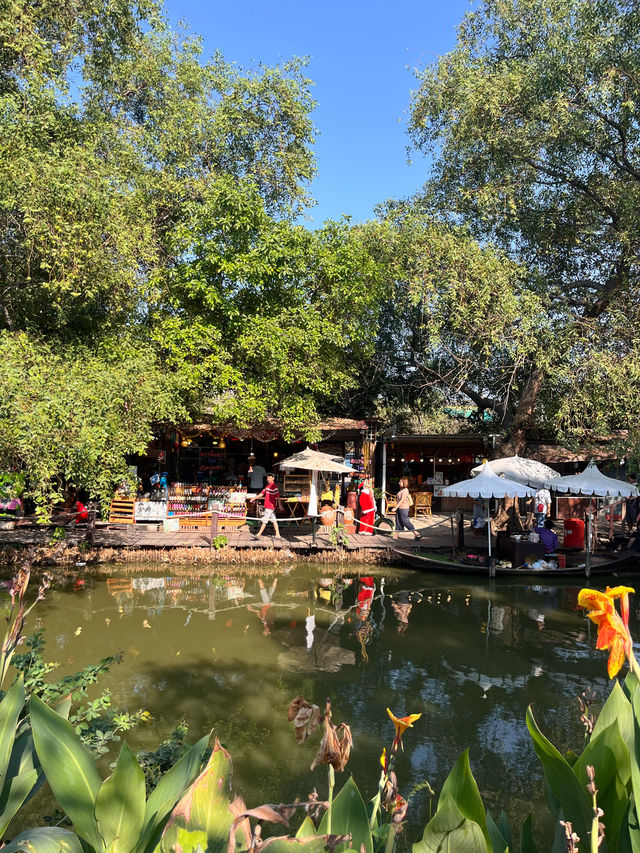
[314, 461]
[592, 483]
[522, 470]
[487, 485]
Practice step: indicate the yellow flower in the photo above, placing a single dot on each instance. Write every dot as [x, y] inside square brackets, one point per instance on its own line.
[403, 723]
[383, 759]
[613, 627]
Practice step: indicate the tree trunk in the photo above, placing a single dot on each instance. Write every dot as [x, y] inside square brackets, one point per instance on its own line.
[524, 417]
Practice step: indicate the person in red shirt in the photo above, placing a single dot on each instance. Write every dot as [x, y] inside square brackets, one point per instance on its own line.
[271, 500]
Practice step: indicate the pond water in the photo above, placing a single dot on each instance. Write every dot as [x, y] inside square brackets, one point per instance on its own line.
[229, 652]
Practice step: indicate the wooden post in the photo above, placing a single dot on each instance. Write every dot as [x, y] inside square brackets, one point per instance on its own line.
[91, 523]
[314, 530]
[460, 529]
[214, 529]
[453, 537]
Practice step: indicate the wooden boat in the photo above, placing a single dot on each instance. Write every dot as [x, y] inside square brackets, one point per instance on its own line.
[443, 561]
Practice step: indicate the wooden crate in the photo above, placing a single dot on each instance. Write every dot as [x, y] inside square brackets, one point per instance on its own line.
[122, 511]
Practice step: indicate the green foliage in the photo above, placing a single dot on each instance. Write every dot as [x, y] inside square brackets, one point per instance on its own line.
[74, 416]
[612, 751]
[19, 770]
[155, 764]
[59, 535]
[114, 814]
[337, 536]
[532, 119]
[220, 541]
[94, 721]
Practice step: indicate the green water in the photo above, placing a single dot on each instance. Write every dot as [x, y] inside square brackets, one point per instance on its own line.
[469, 654]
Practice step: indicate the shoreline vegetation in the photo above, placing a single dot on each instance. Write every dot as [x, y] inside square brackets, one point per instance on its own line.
[95, 559]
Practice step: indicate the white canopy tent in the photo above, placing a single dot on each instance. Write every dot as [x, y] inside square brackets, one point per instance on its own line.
[487, 485]
[530, 472]
[592, 483]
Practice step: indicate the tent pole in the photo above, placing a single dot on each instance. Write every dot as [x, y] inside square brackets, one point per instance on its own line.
[492, 567]
[587, 561]
[383, 484]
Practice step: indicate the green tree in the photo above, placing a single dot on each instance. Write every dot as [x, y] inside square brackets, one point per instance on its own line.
[532, 121]
[74, 416]
[150, 264]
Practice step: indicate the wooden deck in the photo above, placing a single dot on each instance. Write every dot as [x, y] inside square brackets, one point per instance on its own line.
[435, 531]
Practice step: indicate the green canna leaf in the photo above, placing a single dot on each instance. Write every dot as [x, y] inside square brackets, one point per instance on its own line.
[449, 830]
[349, 817]
[69, 768]
[120, 804]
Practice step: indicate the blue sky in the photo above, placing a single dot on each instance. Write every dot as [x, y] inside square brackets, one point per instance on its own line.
[362, 56]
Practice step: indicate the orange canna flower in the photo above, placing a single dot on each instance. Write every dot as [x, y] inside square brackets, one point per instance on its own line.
[613, 627]
[403, 723]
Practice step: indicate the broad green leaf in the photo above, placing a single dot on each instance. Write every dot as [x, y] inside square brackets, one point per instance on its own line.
[10, 709]
[635, 752]
[69, 768]
[617, 708]
[505, 828]
[562, 781]
[45, 840]
[189, 841]
[206, 805]
[349, 817]
[609, 755]
[120, 804]
[285, 844]
[449, 831]
[630, 685]
[527, 843]
[499, 843]
[15, 792]
[630, 833]
[168, 791]
[464, 790]
[307, 828]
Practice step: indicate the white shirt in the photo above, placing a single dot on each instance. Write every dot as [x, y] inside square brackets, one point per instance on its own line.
[257, 477]
[543, 496]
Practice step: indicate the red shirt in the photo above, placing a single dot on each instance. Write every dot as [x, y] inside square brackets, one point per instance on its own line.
[271, 496]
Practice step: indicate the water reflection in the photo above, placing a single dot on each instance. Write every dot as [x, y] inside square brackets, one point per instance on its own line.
[229, 653]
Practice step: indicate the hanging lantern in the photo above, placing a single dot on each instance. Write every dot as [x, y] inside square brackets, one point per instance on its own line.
[222, 443]
[185, 442]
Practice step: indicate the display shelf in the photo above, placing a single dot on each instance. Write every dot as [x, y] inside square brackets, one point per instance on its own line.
[297, 483]
[197, 499]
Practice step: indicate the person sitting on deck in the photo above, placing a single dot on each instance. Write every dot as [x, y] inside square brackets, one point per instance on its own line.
[548, 537]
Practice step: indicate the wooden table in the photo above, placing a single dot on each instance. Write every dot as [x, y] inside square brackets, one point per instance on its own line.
[516, 551]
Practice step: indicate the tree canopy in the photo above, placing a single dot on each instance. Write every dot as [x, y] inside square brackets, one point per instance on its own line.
[148, 207]
[533, 124]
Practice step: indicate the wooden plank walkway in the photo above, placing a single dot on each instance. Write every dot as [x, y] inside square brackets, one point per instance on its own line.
[435, 531]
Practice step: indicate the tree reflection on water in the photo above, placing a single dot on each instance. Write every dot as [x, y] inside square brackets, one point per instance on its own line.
[230, 651]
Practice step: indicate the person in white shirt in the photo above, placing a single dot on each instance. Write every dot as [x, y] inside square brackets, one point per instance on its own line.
[256, 478]
[542, 505]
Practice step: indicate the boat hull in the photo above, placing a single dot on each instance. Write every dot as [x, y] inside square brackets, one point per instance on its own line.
[434, 561]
